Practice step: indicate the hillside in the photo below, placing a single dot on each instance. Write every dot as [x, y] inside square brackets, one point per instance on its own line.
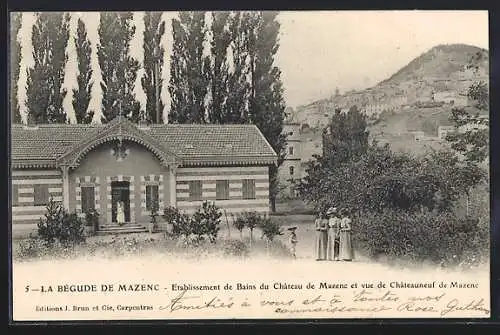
[417, 98]
[442, 61]
[441, 74]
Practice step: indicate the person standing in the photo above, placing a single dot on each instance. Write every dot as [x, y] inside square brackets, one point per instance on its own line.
[293, 241]
[333, 227]
[321, 237]
[346, 249]
[120, 213]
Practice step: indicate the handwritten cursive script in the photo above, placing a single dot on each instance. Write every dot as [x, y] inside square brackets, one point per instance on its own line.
[364, 301]
[456, 305]
[180, 302]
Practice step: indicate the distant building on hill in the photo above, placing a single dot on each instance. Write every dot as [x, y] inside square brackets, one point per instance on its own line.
[444, 130]
[451, 97]
[291, 168]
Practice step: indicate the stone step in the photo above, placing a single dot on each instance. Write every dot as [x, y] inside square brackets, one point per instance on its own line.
[115, 225]
[121, 230]
[115, 232]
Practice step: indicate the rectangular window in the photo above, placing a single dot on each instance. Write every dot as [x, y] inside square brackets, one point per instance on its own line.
[195, 190]
[291, 170]
[248, 188]
[41, 195]
[151, 196]
[290, 150]
[15, 195]
[88, 198]
[222, 189]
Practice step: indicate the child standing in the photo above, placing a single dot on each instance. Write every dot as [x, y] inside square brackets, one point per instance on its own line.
[293, 241]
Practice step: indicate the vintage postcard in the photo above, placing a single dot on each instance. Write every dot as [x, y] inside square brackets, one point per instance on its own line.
[249, 164]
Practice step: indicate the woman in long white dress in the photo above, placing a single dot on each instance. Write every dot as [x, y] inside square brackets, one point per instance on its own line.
[333, 229]
[346, 249]
[120, 214]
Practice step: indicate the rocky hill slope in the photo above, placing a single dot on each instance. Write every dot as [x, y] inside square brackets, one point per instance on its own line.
[417, 98]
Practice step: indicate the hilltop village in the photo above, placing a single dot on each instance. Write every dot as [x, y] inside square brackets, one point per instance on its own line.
[410, 110]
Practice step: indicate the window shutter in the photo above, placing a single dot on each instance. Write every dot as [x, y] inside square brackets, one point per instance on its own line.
[248, 189]
[88, 198]
[151, 195]
[222, 189]
[41, 195]
[195, 192]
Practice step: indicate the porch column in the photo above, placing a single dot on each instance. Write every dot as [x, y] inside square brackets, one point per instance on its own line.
[172, 187]
[65, 178]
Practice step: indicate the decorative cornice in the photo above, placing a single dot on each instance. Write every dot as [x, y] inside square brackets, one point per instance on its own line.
[73, 157]
[33, 164]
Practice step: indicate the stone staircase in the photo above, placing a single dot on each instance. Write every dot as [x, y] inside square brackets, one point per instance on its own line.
[127, 228]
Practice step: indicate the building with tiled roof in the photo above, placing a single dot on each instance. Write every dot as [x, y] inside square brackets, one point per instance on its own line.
[98, 166]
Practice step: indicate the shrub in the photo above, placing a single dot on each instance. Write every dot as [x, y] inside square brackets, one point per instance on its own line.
[439, 237]
[236, 248]
[71, 230]
[180, 222]
[252, 220]
[59, 225]
[153, 215]
[204, 224]
[206, 221]
[239, 223]
[270, 229]
[92, 219]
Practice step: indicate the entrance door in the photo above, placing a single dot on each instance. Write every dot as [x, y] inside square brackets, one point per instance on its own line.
[120, 191]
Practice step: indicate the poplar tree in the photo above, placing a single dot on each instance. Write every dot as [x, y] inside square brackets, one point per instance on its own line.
[219, 74]
[266, 102]
[238, 85]
[189, 69]
[118, 68]
[15, 63]
[82, 95]
[45, 93]
[153, 64]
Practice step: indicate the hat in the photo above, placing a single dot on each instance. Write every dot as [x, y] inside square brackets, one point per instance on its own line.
[331, 210]
[292, 228]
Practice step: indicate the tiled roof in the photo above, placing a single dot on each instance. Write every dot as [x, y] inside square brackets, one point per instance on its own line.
[193, 144]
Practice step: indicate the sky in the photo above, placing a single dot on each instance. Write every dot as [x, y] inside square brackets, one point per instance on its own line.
[319, 50]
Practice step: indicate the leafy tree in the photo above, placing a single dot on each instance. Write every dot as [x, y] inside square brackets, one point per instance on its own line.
[219, 74]
[345, 137]
[189, 69]
[238, 86]
[118, 68]
[153, 64]
[15, 63]
[267, 106]
[45, 94]
[479, 93]
[82, 95]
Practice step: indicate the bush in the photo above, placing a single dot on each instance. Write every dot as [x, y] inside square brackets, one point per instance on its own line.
[59, 225]
[180, 222]
[71, 230]
[206, 221]
[92, 219]
[153, 215]
[239, 223]
[204, 224]
[439, 237]
[236, 248]
[270, 229]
